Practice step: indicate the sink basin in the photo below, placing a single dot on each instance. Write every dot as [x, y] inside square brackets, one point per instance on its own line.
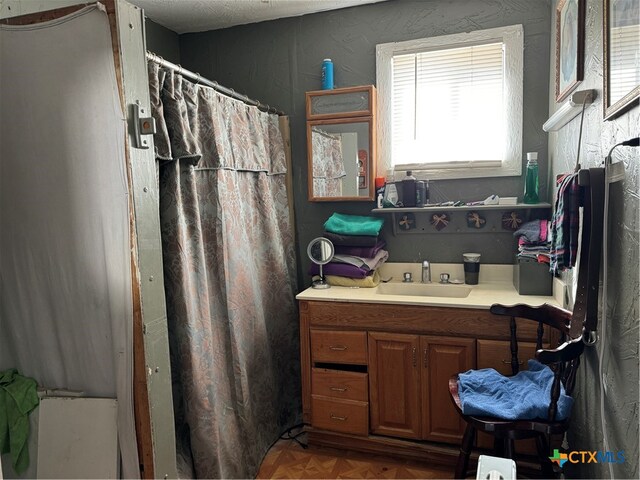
[424, 290]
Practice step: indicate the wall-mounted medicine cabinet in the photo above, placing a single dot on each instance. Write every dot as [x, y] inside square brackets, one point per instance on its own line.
[341, 144]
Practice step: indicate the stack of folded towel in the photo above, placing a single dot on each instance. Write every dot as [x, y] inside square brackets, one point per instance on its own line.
[359, 251]
[533, 241]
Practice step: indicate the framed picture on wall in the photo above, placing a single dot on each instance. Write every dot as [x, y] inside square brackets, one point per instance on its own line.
[621, 46]
[569, 46]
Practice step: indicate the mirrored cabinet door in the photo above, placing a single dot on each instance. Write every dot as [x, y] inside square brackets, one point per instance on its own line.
[340, 159]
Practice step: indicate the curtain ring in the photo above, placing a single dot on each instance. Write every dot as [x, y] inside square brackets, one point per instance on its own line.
[179, 69]
[198, 78]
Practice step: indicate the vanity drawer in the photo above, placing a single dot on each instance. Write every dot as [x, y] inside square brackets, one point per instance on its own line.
[338, 384]
[346, 416]
[332, 346]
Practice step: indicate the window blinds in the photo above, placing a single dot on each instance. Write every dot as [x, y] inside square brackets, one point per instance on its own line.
[448, 106]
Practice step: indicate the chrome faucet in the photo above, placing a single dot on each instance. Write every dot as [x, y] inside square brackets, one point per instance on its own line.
[426, 272]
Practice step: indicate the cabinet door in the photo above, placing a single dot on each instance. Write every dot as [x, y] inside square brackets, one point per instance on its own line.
[394, 384]
[497, 354]
[441, 358]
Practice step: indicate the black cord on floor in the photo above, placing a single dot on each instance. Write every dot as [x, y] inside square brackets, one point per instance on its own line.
[287, 435]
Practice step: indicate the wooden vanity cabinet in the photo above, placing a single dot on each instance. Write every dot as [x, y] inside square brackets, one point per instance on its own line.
[375, 376]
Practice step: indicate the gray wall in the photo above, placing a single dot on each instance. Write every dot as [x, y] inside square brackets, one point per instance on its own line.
[278, 61]
[621, 335]
[162, 41]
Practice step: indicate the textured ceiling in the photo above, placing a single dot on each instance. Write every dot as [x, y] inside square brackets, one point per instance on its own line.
[184, 16]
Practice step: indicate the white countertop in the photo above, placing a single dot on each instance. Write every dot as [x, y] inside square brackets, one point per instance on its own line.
[495, 286]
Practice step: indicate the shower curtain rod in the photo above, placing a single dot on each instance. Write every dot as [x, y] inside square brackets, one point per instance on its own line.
[215, 85]
[325, 134]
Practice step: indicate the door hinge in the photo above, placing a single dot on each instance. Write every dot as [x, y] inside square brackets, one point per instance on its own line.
[142, 125]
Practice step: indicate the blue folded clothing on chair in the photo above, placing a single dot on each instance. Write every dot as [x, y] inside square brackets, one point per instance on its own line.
[525, 396]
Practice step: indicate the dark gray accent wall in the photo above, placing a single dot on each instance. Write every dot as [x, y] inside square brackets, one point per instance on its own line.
[162, 41]
[619, 338]
[278, 61]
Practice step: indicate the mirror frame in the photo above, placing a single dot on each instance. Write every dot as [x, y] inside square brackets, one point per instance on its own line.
[631, 99]
[371, 161]
[320, 240]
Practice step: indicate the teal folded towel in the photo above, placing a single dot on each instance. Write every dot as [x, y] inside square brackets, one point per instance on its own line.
[353, 225]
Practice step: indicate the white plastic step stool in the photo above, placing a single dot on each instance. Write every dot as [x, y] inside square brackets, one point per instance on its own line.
[495, 468]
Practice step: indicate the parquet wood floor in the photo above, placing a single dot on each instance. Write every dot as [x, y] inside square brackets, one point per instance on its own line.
[287, 459]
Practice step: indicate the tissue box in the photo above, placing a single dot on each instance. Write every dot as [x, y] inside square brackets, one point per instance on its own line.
[532, 278]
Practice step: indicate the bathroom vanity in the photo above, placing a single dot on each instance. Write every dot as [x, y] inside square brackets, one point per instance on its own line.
[376, 362]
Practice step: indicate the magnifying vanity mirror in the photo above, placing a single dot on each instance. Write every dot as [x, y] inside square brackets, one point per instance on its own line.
[320, 251]
[341, 144]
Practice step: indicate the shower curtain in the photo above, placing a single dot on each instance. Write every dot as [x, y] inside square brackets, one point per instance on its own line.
[328, 163]
[229, 265]
[66, 311]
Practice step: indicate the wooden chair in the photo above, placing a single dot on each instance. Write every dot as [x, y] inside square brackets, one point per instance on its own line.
[576, 328]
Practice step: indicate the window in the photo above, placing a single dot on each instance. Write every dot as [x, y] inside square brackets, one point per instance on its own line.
[452, 105]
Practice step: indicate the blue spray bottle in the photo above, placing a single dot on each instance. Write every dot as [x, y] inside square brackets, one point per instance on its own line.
[327, 74]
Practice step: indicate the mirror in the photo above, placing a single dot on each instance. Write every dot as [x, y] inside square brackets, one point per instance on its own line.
[340, 159]
[621, 58]
[320, 251]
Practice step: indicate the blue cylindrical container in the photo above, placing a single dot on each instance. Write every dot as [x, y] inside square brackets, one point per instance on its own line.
[327, 74]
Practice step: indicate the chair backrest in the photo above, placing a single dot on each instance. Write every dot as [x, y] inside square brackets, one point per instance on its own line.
[591, 182]
[584, 318]
[577, 328]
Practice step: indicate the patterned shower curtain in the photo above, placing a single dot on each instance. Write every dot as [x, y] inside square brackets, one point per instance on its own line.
[229, 270]
[328, 163]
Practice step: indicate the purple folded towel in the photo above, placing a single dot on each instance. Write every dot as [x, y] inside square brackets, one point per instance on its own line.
[351, 240]
[340, 269]
[365, 252]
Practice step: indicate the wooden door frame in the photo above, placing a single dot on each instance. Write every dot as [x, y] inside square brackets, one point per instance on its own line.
[153, 403]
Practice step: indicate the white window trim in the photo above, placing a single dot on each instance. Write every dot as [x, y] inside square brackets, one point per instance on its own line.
[512, 36]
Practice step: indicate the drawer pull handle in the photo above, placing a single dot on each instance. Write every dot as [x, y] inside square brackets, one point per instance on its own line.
[426, 357]
[413, 355]
[337, 389]
[336, 417]
[339, 348]
[508, 362]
